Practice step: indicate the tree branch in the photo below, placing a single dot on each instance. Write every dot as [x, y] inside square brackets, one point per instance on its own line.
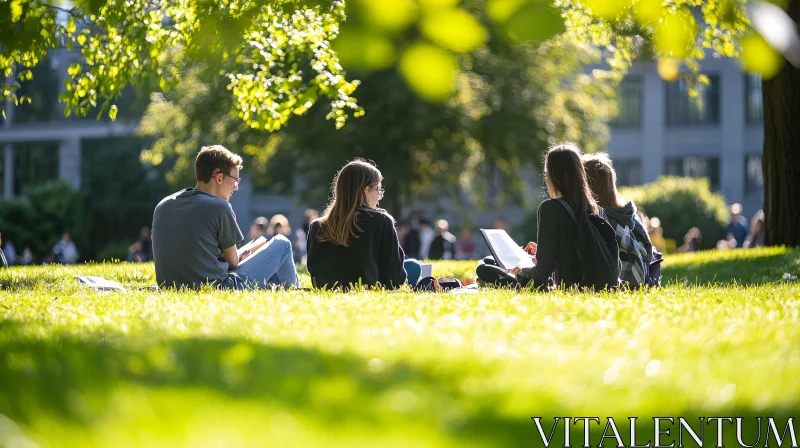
[73, 12]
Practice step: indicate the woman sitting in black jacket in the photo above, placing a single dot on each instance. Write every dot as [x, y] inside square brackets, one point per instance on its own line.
[556, 254]
[355, 242]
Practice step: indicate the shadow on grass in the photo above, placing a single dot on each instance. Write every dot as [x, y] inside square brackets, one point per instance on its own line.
[44, 376]
[743, 266]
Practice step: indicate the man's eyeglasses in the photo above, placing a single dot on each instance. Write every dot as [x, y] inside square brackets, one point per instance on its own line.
[236, 180]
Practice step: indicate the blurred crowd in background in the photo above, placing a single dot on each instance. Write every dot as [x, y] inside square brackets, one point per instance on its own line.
[419, 236]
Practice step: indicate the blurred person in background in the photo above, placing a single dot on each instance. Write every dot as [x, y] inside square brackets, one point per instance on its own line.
[737, 225]
[301, 236]
[27, 256]
[411, 239]
[259, 228]
[11, 253]
[65, 251]
[657, 234]
[692, 240]
[443, 246]
[402, 230]
[728, 243]
[502, 224]
[426, 236]
[756, 238]
[279, 225]
[465, 247]
[142, 250]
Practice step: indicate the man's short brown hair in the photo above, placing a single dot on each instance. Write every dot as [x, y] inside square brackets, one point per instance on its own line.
[215, 159]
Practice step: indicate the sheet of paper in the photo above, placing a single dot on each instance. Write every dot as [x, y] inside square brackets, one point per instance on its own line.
[100, 283]
[426, 270]
[506, 252]
[256, 242]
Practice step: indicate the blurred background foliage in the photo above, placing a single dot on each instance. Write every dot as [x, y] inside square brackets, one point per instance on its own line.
[113, 200]
[513, 101]
[682, 203]
[278, 58]
[446, 87]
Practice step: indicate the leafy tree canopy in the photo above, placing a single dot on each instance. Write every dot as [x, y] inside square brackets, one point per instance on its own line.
[279, 57]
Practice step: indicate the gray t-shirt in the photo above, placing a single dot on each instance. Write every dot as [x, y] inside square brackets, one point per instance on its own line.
[190, 229]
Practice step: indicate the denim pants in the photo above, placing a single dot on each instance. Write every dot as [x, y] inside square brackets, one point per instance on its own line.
[273, 266]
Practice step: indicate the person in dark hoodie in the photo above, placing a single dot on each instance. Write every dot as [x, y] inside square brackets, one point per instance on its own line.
[635, 248]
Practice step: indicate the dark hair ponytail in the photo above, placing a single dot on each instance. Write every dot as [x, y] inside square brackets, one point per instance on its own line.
[564, 169]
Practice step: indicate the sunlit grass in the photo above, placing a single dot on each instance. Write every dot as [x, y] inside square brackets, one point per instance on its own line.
[298, 368]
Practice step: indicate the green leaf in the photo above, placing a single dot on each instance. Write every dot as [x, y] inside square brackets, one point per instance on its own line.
[74, 69]
[16, 10]
[429, 70]
[360, 49]
[71, 28]
[454, 29]
[502, 10]
[606, 9]
[535, 22]
[675, 34]
[759, 57]
[432, 4]
[382, 15]
[112, 112]
[648, 11]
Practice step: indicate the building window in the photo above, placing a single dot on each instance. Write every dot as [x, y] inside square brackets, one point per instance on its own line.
[35, 164]
[755, 109]
[629, 100]
[707, 167]
[629, 172]
[683, 110]
[754, 175]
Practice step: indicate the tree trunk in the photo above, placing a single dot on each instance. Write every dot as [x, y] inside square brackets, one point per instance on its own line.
[781, 158]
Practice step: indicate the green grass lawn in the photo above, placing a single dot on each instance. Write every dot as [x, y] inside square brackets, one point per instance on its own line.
[392, 369]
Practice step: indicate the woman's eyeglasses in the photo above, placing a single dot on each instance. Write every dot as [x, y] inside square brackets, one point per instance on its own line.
[381, 191]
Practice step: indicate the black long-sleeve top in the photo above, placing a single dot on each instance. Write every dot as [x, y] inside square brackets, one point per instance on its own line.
[557, 260]
[374, 257]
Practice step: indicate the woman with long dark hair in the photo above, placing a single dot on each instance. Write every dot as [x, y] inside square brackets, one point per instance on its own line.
[355, 242]
[556, 254]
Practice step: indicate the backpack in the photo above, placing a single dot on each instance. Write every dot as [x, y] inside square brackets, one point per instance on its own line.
[598, 250]
[632, 254]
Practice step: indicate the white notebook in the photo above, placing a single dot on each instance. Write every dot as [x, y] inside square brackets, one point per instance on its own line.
[505, 251]
[425, 270]
[100, 283]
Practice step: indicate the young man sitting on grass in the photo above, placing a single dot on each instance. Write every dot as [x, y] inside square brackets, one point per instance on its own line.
[195, 234]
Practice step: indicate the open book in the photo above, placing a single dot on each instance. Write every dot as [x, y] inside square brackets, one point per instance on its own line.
[100, 283]
[505, 251]
[253, 247]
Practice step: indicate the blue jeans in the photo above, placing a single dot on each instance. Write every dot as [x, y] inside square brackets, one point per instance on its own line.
[272, 266]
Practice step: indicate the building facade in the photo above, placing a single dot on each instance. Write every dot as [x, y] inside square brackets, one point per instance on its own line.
[660, 131]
